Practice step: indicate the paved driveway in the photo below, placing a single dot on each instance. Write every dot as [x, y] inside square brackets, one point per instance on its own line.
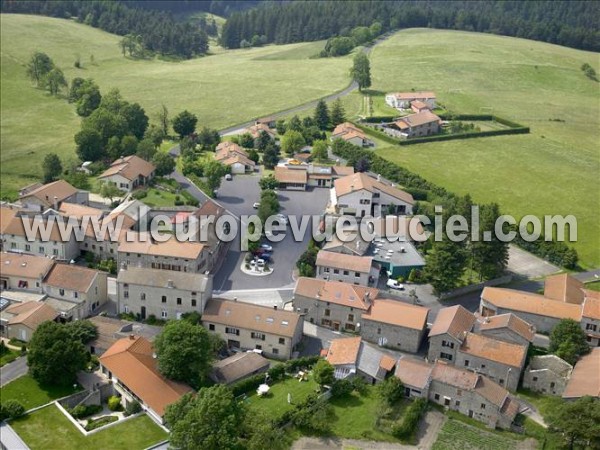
[527, 265]
[13, 370]
[237, 196]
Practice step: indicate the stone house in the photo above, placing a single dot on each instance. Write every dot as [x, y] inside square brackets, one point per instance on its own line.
[39, 197]
[20, 320]
[590, 317]
[130, 363]
[402, 100]
[23, 272]
[547, 374]
[448, 331]
[506, 327]
[394, 324]
[361, 195]
[347, 268]
[164, 294]
[424, 123]
[352, 357]
[245, 326]
[86, 289]
[349, 132]
[129, 173]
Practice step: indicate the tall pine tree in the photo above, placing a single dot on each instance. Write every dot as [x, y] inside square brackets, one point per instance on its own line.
[321, 116]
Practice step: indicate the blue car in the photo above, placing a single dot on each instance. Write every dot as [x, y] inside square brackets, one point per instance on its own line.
[266, 256]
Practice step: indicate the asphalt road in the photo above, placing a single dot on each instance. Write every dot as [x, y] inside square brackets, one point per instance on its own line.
[13, 370]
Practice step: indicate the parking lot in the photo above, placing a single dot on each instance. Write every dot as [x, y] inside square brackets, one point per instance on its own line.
[238, 196]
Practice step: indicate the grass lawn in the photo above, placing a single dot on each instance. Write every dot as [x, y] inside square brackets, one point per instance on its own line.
[544, 403]
[552, 170]
[458, 435]
[9, 356]
[354, 417]
[275, 403]
[223, 89]
[593, 286]
[158, 197]
[48, 428]
[31, 394]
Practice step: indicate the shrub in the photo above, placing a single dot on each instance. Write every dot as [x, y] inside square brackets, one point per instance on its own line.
[359, 385]
[133, 408]
[81, 411]
[140, 194]
[100, 422]
[277, 372]
[13, 409]
[247, 385]
[391, 390]
[341, 388]
[408, 425]
[114, 403]
[23, 349]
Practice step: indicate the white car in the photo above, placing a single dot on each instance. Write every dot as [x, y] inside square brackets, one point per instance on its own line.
[282, 219]
[256, 205]
[228, 177]
[393, 284]
[266, 247]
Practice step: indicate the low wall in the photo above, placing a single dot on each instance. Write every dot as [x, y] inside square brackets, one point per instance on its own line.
[475, 287]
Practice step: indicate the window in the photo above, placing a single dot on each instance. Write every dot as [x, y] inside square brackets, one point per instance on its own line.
[448, 344]
[163, 314]
[305, 310]
[483, 366]
[164, 299]
[126, 308]
[457, 403]
[55, 251]
[327, 312]
[336, 271]
[326, 269]
[346, 273]
[126, 293]
[211, 326]
[143, 296]
[446, 356]
[258, 347]
[27, 247]
[194, 302]
[590, 326]
[436, 396]
[276, 351]
[230, 330]
[466, 363]
[501, 381]
[259, 336]
[483, 406]
[178, 301]
[193, 294]
[61, 291]
[357, 274]
[41, 250]
[459, 392]
[281, 341]
[75, 295]
[378, 330]
[350, 317]
[94, 247]
[535, 378]
[552, 385]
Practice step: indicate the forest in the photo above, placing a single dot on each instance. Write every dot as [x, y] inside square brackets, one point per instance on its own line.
[572, 24]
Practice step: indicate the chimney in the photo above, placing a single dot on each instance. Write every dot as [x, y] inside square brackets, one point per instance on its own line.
[275, 307]
[131, 337]
[170, 284]
[56, 203]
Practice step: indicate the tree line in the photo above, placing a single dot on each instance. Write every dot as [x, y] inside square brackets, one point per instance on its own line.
[573, 24]
[158, 31]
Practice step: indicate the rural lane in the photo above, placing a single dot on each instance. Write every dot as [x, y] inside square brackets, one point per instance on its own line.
[13, 370]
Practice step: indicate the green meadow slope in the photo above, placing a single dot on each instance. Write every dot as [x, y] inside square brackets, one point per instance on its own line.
[224, 89]
[553, 170]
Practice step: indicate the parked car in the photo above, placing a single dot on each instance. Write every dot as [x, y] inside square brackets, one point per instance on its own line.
[256, 205]
[228, 177]
[393, 284]
[266, 247]
[282, 218]
[266, 256]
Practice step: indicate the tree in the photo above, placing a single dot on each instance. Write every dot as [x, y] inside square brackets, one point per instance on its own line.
[321, 116]
[268, 182]
[254, 156]
[38, 67]
[292, 142]
[294, 124]
[89, 145]
[361, 71]
[568, 341]
[183, 352]
[262, 434]
[146, 149]
[361, 35]
[363, 165]
[445, 264]
[214, 171]
[246, 140]
[338, 115]
[110, 191]
[51, 167]
[319, 151]
[165, 164]
[54, 81]
[209, 138]
[271, 156]
[55, 355]
[155, 135]
[82, 330]
[86, 96]
[391, 390]
[163, 119]
[184, 123]
[578, 422]
[128, 145]
[323, 372]
[269, 205]
[489, 257]
[208, 421]
[136, 118]
[280, 127]
[262, 141]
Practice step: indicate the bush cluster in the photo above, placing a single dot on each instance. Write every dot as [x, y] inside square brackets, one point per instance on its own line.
[81, 411]
[100, 422]
[133, 408]
[114, 403]
[410, 420]
[11, 409]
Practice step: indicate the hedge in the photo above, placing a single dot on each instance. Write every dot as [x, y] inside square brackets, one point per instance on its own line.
[100, 422]
[410, 420]
[476, 134]
[81, 411]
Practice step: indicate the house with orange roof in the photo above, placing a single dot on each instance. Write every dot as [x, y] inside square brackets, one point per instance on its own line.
[403, 100]
[256, 129]
[23, 272]
[352, 357]
[585, 378]
[349, 132]
[20, 320]
[348, 268]
[418, 106]
[506, 327]
[232, 155]
[423, 123]
[361, 195]
[129, 173]
[130, 363]
[39, 197]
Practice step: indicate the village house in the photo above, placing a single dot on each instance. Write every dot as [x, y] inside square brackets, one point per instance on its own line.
[129, 173]
[82, 290]
[175, 255]
[110, 330]
[564, 298]
[257, 129]
[80, 212]
[39, 197]
[164, 294]
[207, 215]
[130, 363]
[403, 100]
[360, 195]
[23, 272]
[506, 327]
[245, 326]
[270, 121]
[238, 367]
[451, 340]
[8, 212]
[466, 392]
[394, 324]
[351, 357]
[418, 106]
[349, 132]
[20, 320]
[585, 377]
[347, 268]
[232, 155]
[547, 374]
[424, 123]
[293, 178]
[302, 176]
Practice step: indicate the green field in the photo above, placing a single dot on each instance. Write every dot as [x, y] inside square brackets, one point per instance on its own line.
[223, 90]
[553, 170]
[458, 435]
[48, 428]
[30, 393]
[593, 286]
